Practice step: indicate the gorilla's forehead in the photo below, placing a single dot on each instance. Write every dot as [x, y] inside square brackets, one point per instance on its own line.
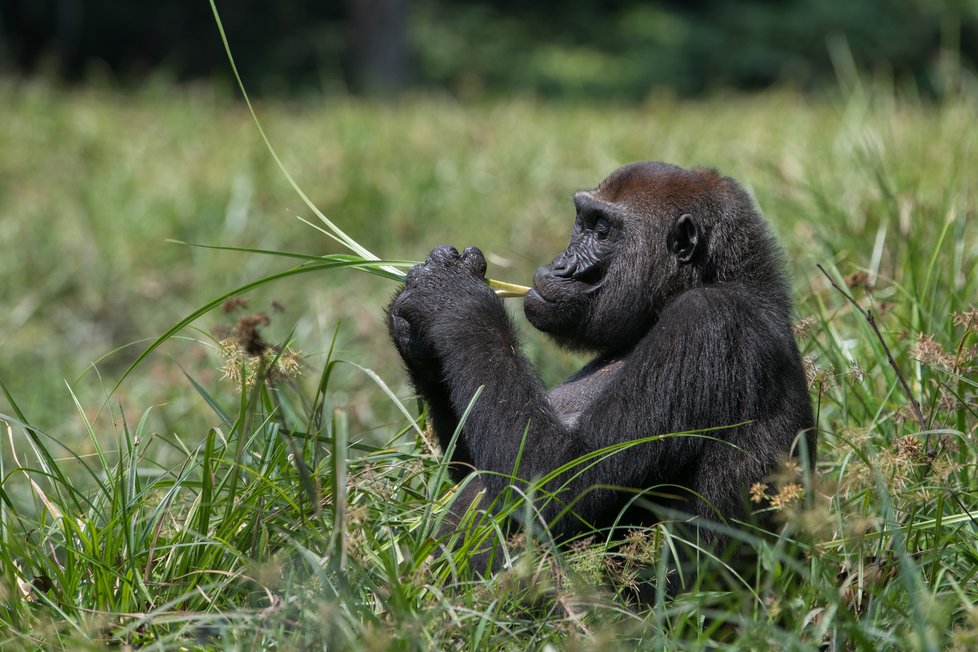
[649, 183]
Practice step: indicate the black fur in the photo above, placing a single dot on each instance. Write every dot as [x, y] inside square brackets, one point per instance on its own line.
[673, 278]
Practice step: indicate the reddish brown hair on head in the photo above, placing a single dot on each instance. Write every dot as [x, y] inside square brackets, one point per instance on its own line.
[640, 183]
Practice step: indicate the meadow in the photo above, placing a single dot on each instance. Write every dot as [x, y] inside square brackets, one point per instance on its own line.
[220, 500]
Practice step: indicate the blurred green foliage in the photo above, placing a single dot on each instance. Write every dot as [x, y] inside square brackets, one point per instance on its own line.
[624, 49]
[581, 48]
[93, 182]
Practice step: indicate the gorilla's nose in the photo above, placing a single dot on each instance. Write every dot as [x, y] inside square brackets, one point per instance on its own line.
[563, 266]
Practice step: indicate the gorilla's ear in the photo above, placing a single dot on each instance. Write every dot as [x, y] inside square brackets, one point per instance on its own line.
[684, 238]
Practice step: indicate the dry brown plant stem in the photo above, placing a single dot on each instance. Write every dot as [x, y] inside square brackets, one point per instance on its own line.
[871, 319]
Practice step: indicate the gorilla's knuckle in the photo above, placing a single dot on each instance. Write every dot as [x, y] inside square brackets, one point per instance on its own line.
[474, 260]
[413, 274]
[395, 315]
[403, 301]
[443, 253]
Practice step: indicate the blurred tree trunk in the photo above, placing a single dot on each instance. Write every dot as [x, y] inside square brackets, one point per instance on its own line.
[70, 22]
[378, 39]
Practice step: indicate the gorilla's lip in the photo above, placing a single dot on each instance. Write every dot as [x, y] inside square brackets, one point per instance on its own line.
[535, 295]
[581, 289]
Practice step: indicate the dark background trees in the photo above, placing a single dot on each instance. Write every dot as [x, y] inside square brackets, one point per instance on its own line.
[577, 48]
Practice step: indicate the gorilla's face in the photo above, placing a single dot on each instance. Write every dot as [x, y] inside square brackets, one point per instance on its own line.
[629, 252]
[565, 292]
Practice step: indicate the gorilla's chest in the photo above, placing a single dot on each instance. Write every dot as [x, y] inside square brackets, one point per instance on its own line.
[573, 397]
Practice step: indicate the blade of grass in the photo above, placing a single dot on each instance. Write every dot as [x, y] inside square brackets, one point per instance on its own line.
[331, 263]
[336, 231]
[333, 231]
[338, 540]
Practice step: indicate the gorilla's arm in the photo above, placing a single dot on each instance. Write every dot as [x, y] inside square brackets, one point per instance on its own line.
[425, 369]
[455, 337]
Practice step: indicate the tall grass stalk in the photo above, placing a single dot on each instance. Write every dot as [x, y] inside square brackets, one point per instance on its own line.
[331, 230]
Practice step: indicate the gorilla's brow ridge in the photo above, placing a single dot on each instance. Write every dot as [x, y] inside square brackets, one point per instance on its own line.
[588, 199]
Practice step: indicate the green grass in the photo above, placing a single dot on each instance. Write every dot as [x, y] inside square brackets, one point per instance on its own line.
[222, 501]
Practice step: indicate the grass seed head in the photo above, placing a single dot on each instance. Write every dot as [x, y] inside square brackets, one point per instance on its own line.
[804, 327]
[928, 351]
[245, 351]
[967, 318]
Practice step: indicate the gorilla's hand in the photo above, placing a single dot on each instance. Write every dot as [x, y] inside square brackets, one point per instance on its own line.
[447, 290]
[444, 317]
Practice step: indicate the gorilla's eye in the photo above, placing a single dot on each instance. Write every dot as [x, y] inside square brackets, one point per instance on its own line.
[601, 228]
[597, 224]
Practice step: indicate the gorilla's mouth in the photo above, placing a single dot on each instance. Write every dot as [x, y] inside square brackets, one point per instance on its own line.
[554, 299]
[533, 295]
[563, 291]
[559, 306]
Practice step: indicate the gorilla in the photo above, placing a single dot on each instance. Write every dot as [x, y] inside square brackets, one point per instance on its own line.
[674, 281]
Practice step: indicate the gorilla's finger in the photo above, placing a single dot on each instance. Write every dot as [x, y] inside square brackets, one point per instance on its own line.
[442, 253]
[405, 307]
[473, 259]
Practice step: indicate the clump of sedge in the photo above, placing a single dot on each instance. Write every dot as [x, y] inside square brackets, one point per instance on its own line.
[247, 354]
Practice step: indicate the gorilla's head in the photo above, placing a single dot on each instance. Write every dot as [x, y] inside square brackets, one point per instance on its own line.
[647, 233]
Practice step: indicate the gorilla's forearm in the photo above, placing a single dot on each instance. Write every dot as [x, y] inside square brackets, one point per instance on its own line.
[480, 352]
[444, 420]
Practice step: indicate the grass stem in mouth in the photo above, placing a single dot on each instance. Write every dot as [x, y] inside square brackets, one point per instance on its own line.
[507, 290]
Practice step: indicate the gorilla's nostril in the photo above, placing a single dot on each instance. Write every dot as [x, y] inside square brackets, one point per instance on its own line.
[564, 266]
